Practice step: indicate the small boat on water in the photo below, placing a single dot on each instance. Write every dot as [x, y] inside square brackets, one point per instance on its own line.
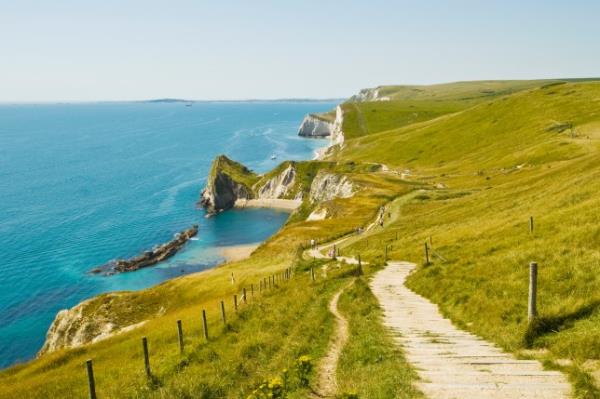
[273, 157]
[188, 104]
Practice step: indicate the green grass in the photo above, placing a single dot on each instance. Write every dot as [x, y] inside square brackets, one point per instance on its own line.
[467, 178]
[470, 92]
[501, 164]
[498, 134]
[365, 118]
[260, 341]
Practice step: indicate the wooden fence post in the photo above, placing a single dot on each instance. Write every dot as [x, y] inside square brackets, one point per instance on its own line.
[532, 305]
[359, 271]
[531, 224]
[204, 325]
[146, 356]
[426, 254]
[396, 236]
[91, 381]
[235, 303]
[244, 296]
[312, 274]
[223, 317]
[252, 290]
[180, 335]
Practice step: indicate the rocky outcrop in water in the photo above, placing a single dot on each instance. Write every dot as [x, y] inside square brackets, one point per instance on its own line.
[228, 181]
[315, 126]
[222, 193]
[232, 184]
[327, 186]
[149, 258]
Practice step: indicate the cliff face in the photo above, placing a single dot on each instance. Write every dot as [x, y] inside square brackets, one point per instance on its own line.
[91, 321]
[314, 126]
[278, 186]
[230, 181]
[227, 182]
[337, 135]
[327, 186]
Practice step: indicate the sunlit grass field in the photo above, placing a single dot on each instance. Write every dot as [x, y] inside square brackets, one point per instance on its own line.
[465, 174]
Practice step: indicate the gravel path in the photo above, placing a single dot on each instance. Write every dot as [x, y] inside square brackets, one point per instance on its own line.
[454, 364]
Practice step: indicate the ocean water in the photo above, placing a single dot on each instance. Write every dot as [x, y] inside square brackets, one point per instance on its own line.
[81, 184]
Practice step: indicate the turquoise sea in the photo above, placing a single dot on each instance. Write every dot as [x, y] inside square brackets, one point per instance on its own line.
[81, 184]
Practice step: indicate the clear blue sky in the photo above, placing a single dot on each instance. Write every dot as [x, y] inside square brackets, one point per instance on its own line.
[208, 49]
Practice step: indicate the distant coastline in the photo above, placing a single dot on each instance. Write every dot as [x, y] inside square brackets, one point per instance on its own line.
[250, 100]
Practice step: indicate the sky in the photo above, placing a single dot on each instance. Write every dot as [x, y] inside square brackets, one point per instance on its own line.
[95, 50]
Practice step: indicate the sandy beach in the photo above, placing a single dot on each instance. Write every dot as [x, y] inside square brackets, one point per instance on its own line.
[269, 203]
[237, 252]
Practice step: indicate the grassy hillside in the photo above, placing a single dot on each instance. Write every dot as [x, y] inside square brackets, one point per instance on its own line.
[408, 105]
[489, 168]
[261, 341]
[461, 91]
[465, 173]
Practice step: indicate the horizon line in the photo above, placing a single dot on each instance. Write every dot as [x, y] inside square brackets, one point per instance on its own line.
[284, 99]
[172, 100]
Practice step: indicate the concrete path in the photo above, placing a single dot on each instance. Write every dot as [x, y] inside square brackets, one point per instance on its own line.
[454, 364]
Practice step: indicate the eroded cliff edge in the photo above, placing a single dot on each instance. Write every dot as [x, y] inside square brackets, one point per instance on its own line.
[227, 182]
[317, 185]
[316, 125]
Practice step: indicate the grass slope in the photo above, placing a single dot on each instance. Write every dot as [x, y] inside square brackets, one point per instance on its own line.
[467, 180]
[413, 104]
[488, 169]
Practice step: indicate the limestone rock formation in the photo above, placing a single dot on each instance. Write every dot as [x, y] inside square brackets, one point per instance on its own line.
[227, 182]
[278, 186]
[315, 126]
[337, 135]
[90, 321]
[372, 94]
[327, 186]
[151, 257]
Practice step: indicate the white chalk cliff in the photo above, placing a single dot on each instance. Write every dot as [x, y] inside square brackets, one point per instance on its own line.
[90, 321]
[369, 95]
[327, 186]
[337, 135]
[313, 126]
[278, 186]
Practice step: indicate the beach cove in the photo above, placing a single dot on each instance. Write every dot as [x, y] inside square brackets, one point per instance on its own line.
[83, 184]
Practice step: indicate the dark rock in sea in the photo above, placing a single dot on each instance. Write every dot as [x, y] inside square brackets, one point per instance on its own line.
[148, 258]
